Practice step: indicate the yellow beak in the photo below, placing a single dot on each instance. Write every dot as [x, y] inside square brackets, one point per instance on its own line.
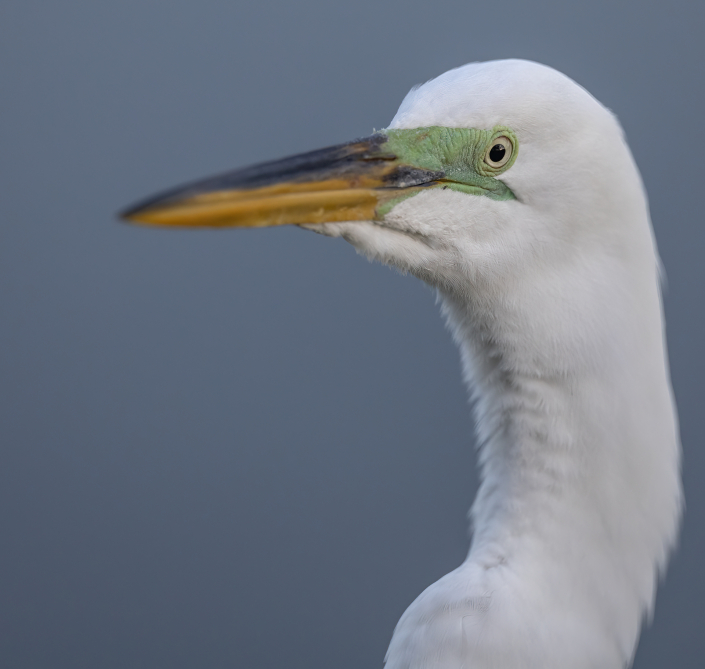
[348, 182]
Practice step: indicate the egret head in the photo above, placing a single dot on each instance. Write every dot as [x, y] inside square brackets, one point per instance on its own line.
[564, 182]
[489, 181]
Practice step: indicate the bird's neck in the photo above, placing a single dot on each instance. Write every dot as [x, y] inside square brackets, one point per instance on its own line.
[580, 497]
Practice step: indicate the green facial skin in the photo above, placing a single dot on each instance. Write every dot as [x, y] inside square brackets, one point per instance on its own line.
[457, 152]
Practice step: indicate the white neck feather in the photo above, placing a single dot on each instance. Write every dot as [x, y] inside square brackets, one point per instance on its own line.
[580, 493]
[578, 506]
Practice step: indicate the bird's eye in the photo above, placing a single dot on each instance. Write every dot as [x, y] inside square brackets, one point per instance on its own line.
[499, 152]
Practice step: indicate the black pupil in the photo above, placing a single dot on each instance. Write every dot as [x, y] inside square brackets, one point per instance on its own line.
[497, 153]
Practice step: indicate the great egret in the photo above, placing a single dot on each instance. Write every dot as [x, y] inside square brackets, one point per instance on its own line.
[511, 190]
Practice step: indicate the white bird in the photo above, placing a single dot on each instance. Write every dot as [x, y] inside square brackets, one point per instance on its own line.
[511, 190]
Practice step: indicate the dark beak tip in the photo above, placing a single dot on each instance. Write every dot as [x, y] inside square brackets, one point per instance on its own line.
[129, 214]
[126, 214]
[132, 213]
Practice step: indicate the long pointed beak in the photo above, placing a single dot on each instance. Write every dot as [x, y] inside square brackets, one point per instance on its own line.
[347, 182]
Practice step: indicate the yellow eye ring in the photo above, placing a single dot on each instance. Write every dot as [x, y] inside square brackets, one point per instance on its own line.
[499, 153]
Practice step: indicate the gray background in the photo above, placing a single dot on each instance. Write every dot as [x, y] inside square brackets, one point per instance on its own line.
[252, 448]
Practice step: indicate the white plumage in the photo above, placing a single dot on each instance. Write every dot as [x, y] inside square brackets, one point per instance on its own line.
[553, 299]
[548, 276]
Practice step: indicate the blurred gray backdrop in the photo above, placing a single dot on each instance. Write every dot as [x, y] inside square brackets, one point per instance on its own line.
[253, 448]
